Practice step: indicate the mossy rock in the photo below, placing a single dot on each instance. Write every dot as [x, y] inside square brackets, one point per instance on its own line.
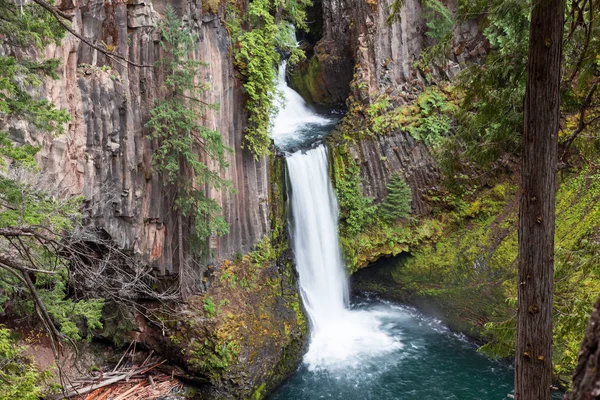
[324, 78]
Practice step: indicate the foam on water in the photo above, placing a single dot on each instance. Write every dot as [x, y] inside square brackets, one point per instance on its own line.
[295, 118]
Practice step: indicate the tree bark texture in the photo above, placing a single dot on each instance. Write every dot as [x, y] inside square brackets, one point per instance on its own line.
[586, 380]
[533, 359]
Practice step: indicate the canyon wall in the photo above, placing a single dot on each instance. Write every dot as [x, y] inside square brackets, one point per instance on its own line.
[104, 153]
[376, 52]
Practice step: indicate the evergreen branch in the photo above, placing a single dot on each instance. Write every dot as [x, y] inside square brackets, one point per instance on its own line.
[582, 123]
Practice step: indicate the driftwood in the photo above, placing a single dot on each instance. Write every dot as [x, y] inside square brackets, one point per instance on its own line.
[133, 382]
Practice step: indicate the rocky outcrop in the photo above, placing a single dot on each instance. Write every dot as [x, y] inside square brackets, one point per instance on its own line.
[382, 51]
[376, 51]
[104, 153]
[382, 156]
[246, 333]
[323, 79]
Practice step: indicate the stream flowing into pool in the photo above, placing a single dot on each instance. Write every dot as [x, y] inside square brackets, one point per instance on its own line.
[366, 348]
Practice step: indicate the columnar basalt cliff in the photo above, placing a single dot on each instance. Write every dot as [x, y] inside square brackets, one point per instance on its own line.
[382, 47]
[382, 156]
[241, 334]
[105, 154]
[369, 51]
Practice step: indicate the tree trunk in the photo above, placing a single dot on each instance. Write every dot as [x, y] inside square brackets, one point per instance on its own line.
[586, 380]
[533, 359]
[183, 284]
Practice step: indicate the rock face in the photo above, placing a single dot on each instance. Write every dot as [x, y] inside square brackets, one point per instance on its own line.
[105, 154]
[379, 50]
[366, 48]
[323, 79]
[382, 51]
[380, 157]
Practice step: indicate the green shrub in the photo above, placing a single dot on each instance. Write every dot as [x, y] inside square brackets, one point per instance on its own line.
[210, 307]
[19, 378]
[257, 37]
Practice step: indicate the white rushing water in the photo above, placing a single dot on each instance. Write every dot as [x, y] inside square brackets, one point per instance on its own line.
[295, 119]
[340, 337]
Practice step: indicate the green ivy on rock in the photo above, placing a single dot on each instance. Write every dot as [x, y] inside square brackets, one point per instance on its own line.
[258, 34]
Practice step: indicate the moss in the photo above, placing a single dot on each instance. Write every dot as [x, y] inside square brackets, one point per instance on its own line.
[212, 358]
[308, 80]
[247, 331]
[260, 392]
[458, 262]
[464, 269]
[211, 6]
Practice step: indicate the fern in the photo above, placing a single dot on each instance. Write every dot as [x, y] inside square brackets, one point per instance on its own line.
[257, 37]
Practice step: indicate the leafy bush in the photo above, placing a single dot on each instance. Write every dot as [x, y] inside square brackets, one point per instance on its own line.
[210, 307]
[357, 210]
[439, 19]
[257, 37]
[429, 119]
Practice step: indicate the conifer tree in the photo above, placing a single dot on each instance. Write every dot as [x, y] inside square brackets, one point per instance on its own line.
[183, 141]
[397, 204]
[533, 358]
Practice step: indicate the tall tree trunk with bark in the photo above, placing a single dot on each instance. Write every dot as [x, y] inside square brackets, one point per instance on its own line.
[533, 359]
[586, 379]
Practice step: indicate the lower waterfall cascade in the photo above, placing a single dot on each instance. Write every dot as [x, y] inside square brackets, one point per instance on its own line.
[338, 335]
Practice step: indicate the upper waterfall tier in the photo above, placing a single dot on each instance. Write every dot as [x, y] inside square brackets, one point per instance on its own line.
[296, 124]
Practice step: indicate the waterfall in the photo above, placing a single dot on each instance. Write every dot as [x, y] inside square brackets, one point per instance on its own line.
[295, 122]
[314, 235]
[340, 337]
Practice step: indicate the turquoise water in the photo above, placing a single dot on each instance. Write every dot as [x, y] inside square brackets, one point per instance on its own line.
[432, 363]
